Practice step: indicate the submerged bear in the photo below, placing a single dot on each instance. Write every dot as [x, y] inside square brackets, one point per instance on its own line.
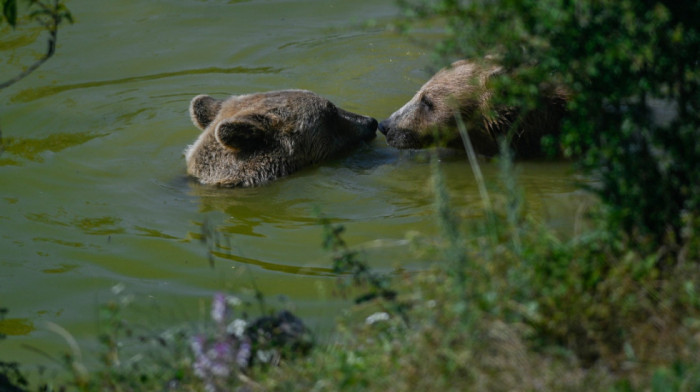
[251, 139]
[462, 89]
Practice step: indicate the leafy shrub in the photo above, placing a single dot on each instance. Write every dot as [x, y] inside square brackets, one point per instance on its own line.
[632, 72]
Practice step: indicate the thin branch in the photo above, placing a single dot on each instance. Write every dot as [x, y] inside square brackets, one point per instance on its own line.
[52, 27]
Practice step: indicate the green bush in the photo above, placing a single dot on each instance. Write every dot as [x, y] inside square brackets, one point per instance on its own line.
[623, 61]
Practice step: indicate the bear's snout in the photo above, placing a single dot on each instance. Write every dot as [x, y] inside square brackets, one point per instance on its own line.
[399, 137]
[384, 127]
[373, 123]
[358, 125]
[372, 129]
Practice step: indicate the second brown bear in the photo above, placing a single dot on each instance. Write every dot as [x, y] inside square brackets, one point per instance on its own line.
[461, 90]
[251, 139]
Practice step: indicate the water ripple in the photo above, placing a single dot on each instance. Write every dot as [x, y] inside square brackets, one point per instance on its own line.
[285, 268]
[41, 92]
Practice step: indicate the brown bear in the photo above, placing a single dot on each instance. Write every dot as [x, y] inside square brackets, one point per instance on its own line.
[461, 88]
[251, 139]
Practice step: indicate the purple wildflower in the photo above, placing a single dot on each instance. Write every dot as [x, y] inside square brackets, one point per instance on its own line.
[219, 356]
[201, 362]
[218, 308]
[222, 351]
[197, 345]
[200, 366]
[243, 356]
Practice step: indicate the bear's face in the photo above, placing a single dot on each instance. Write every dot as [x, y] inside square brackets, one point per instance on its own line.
[250, 139]
[431, 112]
[461, 91]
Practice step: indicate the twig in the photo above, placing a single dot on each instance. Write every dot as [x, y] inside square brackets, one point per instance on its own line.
[52, 26]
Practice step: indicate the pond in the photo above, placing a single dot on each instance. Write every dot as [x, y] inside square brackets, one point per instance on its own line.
[94, 193]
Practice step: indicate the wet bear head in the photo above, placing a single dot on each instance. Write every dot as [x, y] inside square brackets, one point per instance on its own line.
[461, 89]
[248, 140]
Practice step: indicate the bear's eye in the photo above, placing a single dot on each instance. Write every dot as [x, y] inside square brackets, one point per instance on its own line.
[427, 102]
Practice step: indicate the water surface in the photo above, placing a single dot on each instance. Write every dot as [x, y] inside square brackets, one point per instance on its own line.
[93, 192]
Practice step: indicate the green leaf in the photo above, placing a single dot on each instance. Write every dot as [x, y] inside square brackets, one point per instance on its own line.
[68, 16]
[9, 11]
[38, 13]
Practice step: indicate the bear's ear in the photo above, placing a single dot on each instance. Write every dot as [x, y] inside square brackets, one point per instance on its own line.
[203, 109]
[245, 134]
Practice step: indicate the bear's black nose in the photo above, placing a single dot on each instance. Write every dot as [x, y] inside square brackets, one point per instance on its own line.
[373, 124]
[383, 127]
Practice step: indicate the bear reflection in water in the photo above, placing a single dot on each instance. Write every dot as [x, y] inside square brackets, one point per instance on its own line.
[251, 139]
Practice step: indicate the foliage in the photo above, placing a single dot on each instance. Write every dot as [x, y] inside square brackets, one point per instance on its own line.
[220, 358]
[223, 359]
[217, 355]
[509, 306]
[11, 378]
[40, 11]
[631, 70]
[9, 11]
[50, 14]
[350, 262]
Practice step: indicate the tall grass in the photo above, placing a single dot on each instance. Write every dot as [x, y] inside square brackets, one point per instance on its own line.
[510, 306]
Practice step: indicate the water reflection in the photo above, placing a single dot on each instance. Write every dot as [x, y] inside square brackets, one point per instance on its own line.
[320, 40]
[71, 244]
[46, 91]
[62, 268]
[285, 268]
[101, 225]
[16, 326]
[33, 148]
[153, 233]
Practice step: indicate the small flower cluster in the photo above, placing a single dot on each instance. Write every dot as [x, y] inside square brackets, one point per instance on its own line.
[376, 317]
[227, 352]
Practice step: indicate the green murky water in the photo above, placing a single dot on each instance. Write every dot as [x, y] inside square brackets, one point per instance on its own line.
[92, 185]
